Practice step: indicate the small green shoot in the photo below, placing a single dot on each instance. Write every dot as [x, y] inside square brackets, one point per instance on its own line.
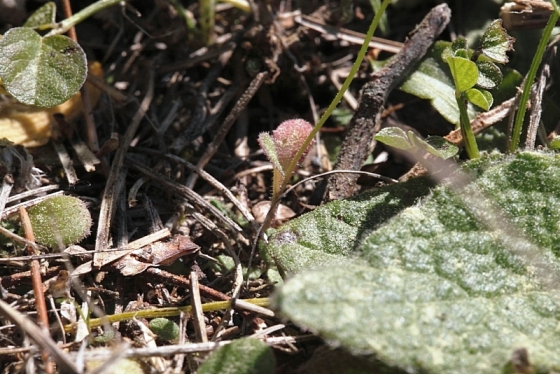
[282, 147]
[530, 77]
[266, 143]
[165, 328]
[475, 72]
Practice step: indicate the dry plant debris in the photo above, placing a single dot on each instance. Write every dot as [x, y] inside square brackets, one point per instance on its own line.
[172, 174]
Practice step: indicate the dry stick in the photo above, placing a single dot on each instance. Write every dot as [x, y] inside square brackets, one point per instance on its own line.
[219, 186]
[115, 182]
[226, 125]
[348, 35]
[203, 174]
[67, 163]
[5, 190]
[197, 313]
[171, 350]
[39, 336]
[180, 281]
[358, 144]
[536, 98]
[40, 303]
[201, 55]
[188, 194]
[26, 204]
[37, 191]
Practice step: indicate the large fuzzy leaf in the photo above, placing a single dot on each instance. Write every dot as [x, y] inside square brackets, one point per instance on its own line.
[456, 283]
[243, 356]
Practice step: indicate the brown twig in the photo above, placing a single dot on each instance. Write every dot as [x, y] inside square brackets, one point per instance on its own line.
[357, 144]
[197, 313]
[40, 303]
[156, 274]
[40, 337]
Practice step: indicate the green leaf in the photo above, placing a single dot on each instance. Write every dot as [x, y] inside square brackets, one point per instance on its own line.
[269, 148]
[60, 221]
[431, 81]
[464, 72]
[462, 53]
[337, 228]
[242, 356]
[435, 145]
[394, 137]
[164, 328]
[459, 44]
[43, 16]
[496, 42]
[481, 98]
[555, 143]
[41, 71]
[489, 75]
[455, 283]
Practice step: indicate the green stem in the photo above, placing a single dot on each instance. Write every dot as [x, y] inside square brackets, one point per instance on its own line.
[520, 115]
[207, 15]
[83, 14]
[338, 96]
[466, 131]
[164, 312]
[288, 172]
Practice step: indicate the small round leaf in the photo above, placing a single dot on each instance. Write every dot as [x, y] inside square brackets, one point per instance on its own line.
[394, 137]
[444, 148]
[489, 75]
[60, 221]
[165, 328]
[481, 98]
[555, 143]
[45, 15]
[435, 145]
[41, 71]
[496, 42]
[464, 72]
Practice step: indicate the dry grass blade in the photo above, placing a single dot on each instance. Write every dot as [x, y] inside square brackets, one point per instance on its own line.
[115, 182]
[40, 337]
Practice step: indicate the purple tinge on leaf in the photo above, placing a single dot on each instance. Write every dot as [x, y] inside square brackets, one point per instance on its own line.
[289, 138]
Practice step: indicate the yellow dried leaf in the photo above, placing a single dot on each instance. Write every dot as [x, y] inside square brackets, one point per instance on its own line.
[32, 126]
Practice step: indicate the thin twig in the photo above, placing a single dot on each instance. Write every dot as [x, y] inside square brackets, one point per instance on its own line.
[39, 336]
[348, 35]
[357, 144]
[197, 313]
[40, 303]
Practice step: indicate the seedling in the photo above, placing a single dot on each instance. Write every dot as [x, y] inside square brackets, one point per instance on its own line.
[281, 149]
[287, 170]
[473, 73]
